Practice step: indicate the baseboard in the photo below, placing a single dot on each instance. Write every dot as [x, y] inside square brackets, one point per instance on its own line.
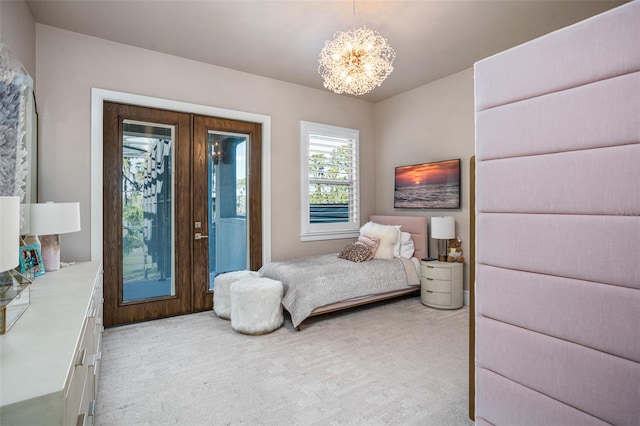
[466, 297]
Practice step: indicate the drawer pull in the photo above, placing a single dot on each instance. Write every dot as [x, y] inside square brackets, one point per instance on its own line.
[429, 279]
[80, 421]
[92, 408]
[429, 291]
[80, 358]
[92, 361]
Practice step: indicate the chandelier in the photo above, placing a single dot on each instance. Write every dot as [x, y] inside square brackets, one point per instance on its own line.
[356, 61]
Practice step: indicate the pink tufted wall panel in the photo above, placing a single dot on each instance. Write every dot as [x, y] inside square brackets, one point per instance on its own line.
[558, 227]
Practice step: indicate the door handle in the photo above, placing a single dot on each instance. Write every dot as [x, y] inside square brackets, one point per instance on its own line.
[199, 236]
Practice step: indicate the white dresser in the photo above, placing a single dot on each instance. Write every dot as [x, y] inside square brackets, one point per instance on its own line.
[441, 284]
[50, 358]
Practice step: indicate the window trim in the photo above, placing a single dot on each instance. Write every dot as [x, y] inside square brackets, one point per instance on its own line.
[327, 231]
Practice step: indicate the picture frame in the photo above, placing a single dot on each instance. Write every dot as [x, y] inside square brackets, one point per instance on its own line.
[433, 185]
[31, 264]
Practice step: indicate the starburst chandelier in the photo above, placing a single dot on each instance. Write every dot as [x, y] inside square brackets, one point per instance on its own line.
[356, 61]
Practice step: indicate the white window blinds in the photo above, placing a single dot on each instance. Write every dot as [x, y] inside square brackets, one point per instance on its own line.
[329, 187]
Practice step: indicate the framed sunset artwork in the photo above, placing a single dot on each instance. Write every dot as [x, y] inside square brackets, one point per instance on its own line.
[434, 185]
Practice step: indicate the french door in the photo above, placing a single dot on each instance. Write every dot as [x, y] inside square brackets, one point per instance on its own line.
[227, 206]
[181, 204]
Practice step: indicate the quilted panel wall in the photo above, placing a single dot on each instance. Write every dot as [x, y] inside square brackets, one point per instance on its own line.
[558, 227]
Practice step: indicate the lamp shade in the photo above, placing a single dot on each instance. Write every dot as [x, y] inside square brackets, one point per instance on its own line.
[443, 228]
[54, 218]
[25, 218]
[9, 232]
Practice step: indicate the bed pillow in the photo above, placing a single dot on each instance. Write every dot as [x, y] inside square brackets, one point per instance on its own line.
[371, 242]
[407, 247]
[356, 252]
[389, 236]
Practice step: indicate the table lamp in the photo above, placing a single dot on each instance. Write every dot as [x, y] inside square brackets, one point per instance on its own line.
[443, 229]
[9, 233]
[48, 220]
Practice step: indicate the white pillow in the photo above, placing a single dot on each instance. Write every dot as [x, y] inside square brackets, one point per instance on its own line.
[407, 248]
[389, 236]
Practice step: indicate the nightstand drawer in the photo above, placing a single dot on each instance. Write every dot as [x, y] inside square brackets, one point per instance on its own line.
[436, 273]
[433, 298]
[438, 286]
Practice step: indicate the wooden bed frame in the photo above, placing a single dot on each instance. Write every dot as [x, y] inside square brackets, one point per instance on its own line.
[417, 227]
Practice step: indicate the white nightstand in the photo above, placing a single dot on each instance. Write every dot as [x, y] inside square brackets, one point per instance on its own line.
[441, 284]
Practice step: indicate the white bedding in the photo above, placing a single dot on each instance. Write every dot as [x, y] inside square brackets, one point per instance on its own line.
[314, 281]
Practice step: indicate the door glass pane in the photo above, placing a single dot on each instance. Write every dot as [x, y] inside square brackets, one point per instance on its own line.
[147, 211]
[228, 206]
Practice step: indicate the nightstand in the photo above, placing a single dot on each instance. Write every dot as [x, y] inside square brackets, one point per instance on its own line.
[441, 284]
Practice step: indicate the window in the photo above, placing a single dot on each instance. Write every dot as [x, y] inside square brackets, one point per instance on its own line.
[330, 196]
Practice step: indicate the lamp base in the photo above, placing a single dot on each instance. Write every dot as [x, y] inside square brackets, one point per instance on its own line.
[442, 258]
[50, 250]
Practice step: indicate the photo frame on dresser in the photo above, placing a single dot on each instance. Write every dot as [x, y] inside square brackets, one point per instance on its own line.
[31, 264]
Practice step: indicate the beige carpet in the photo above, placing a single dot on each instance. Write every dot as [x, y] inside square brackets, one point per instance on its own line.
[392, 363]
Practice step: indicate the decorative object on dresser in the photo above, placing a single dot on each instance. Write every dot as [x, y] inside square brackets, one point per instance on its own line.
[443, 229]
[48, 220]
[31, 264]
[14, 297]
[441, 284]
[9, 232]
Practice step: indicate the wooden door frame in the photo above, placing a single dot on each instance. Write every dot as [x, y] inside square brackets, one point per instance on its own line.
[115, 310]
[99, 96]
[472, 288]
[202, 296]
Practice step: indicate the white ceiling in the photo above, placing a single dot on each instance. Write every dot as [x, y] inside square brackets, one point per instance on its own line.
[282, 39]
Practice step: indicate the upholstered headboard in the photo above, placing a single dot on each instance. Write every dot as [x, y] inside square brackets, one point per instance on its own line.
[557, 151]
[415, 225]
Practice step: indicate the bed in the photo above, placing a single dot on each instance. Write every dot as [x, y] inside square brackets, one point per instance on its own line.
[316, 285]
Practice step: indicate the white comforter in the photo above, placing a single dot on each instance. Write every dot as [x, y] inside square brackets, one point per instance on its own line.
[314, 281]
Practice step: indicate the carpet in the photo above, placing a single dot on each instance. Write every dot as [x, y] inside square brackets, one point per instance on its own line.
[392, 363]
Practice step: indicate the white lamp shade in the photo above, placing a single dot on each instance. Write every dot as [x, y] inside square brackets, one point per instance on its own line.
[54, 218]
[9, 232]
[443, 228]
[25, 218]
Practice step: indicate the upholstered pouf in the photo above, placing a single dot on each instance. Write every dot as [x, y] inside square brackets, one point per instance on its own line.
[221, 291]
[256, 305]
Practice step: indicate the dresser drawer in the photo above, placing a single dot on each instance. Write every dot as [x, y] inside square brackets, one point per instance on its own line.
[438, 286]
[77, 379]
[433, 298]
[436, 273]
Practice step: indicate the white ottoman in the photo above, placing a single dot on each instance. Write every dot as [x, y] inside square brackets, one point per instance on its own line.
[221, 291]
[256, 305]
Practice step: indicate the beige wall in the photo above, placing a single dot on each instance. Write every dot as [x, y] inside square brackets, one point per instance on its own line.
[431, 123]
[18, 31]
[70, 64]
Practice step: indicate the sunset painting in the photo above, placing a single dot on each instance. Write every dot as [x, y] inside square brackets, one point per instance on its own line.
[428, 186]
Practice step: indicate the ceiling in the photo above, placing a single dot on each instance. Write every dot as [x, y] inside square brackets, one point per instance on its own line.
[282, 39]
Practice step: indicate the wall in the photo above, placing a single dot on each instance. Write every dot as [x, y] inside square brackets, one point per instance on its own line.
[431, 123]
[18, 31]
[70, 64]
